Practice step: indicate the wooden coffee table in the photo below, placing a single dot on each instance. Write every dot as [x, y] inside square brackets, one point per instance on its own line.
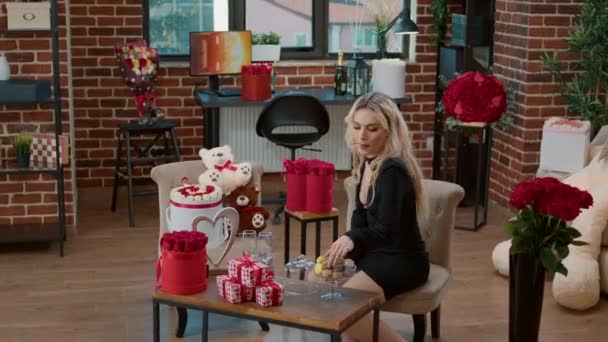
[308, 312]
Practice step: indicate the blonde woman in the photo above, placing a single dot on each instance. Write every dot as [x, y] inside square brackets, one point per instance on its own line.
[384, 239]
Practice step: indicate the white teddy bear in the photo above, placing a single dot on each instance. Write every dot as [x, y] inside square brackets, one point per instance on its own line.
[580, 290]
[221, 171]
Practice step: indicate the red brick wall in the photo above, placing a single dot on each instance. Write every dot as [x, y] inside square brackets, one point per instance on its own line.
[31, 198]
[102, 101]
[523, 30]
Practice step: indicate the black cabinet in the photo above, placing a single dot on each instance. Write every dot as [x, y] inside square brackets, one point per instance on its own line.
[455, 57]
[468, 47]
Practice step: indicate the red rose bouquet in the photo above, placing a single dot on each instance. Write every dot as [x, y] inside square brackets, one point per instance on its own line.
[183, 241]
[475, 97]
[139, 66]
[540, 228]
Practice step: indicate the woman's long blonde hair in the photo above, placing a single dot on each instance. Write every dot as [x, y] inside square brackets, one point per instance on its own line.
[399, 145]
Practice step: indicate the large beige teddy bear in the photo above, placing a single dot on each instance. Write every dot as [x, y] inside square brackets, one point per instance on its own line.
[580, 290]
[222, 171]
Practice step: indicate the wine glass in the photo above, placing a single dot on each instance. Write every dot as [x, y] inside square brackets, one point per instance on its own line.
[264, 248]
[334, 279]
[333, 294]
[250, 242]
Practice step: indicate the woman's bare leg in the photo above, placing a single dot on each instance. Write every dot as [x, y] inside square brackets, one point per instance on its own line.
[362, 330]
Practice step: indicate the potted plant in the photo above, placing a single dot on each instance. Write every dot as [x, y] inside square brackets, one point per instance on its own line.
[540, 239]
[265, 47]
[22, 144]
[28, 15]
[587, 92]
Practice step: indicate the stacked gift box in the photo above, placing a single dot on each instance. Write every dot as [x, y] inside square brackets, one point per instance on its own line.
[247, 281]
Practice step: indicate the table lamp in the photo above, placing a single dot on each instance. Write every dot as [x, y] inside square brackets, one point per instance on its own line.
[404, 26]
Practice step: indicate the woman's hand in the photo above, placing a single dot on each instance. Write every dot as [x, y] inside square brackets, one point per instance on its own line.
[339, 249]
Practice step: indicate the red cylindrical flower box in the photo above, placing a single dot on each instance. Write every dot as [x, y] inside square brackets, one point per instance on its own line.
[296, 184]
[182, 273]
[319, 186]
[255, 82]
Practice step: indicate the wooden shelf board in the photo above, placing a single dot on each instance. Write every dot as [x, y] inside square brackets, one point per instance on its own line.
[8, 32]
[8, 167]
[29, 232]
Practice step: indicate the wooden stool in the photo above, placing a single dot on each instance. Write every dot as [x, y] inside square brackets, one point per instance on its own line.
[143, 155]
[305, 217]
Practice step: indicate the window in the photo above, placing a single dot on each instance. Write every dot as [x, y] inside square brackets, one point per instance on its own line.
[354, 24]
[302, 39]
[171, 21]
[308, 28]
[291, 19]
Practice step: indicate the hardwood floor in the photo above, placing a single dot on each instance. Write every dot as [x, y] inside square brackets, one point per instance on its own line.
[100, 291]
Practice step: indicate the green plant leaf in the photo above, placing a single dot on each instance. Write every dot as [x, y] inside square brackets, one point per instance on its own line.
[562, 251]
[587, 91]
[579, 243]
[561, 269]
[573, 232]
[548, 259]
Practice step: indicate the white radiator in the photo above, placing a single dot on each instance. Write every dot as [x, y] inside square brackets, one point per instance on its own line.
[237, 129]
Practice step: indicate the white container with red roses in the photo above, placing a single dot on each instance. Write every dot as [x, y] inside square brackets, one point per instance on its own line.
[202, 206]
[565, 144]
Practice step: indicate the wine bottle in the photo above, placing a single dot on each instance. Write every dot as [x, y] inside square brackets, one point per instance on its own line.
[340, 77]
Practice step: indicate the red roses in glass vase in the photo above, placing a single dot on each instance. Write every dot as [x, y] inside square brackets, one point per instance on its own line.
[475, 97]
[540, 228]
[139, 66]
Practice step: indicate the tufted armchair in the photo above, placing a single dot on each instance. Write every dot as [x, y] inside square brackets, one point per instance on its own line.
[443, 198]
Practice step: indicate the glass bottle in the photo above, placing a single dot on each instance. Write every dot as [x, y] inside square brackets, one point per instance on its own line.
[340, 76]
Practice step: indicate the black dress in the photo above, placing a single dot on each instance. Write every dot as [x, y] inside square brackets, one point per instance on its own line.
[388, 246]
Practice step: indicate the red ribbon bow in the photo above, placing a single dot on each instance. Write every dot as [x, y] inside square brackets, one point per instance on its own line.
[228, 165]
[246, 260]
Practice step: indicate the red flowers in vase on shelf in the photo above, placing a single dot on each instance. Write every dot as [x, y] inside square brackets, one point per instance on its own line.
[475, 97]
[540, 228]
[139, 66]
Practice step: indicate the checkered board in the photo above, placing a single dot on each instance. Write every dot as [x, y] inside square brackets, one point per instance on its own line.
[44, 150]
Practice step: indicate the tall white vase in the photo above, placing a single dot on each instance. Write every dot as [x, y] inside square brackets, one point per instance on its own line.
[5, 69]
